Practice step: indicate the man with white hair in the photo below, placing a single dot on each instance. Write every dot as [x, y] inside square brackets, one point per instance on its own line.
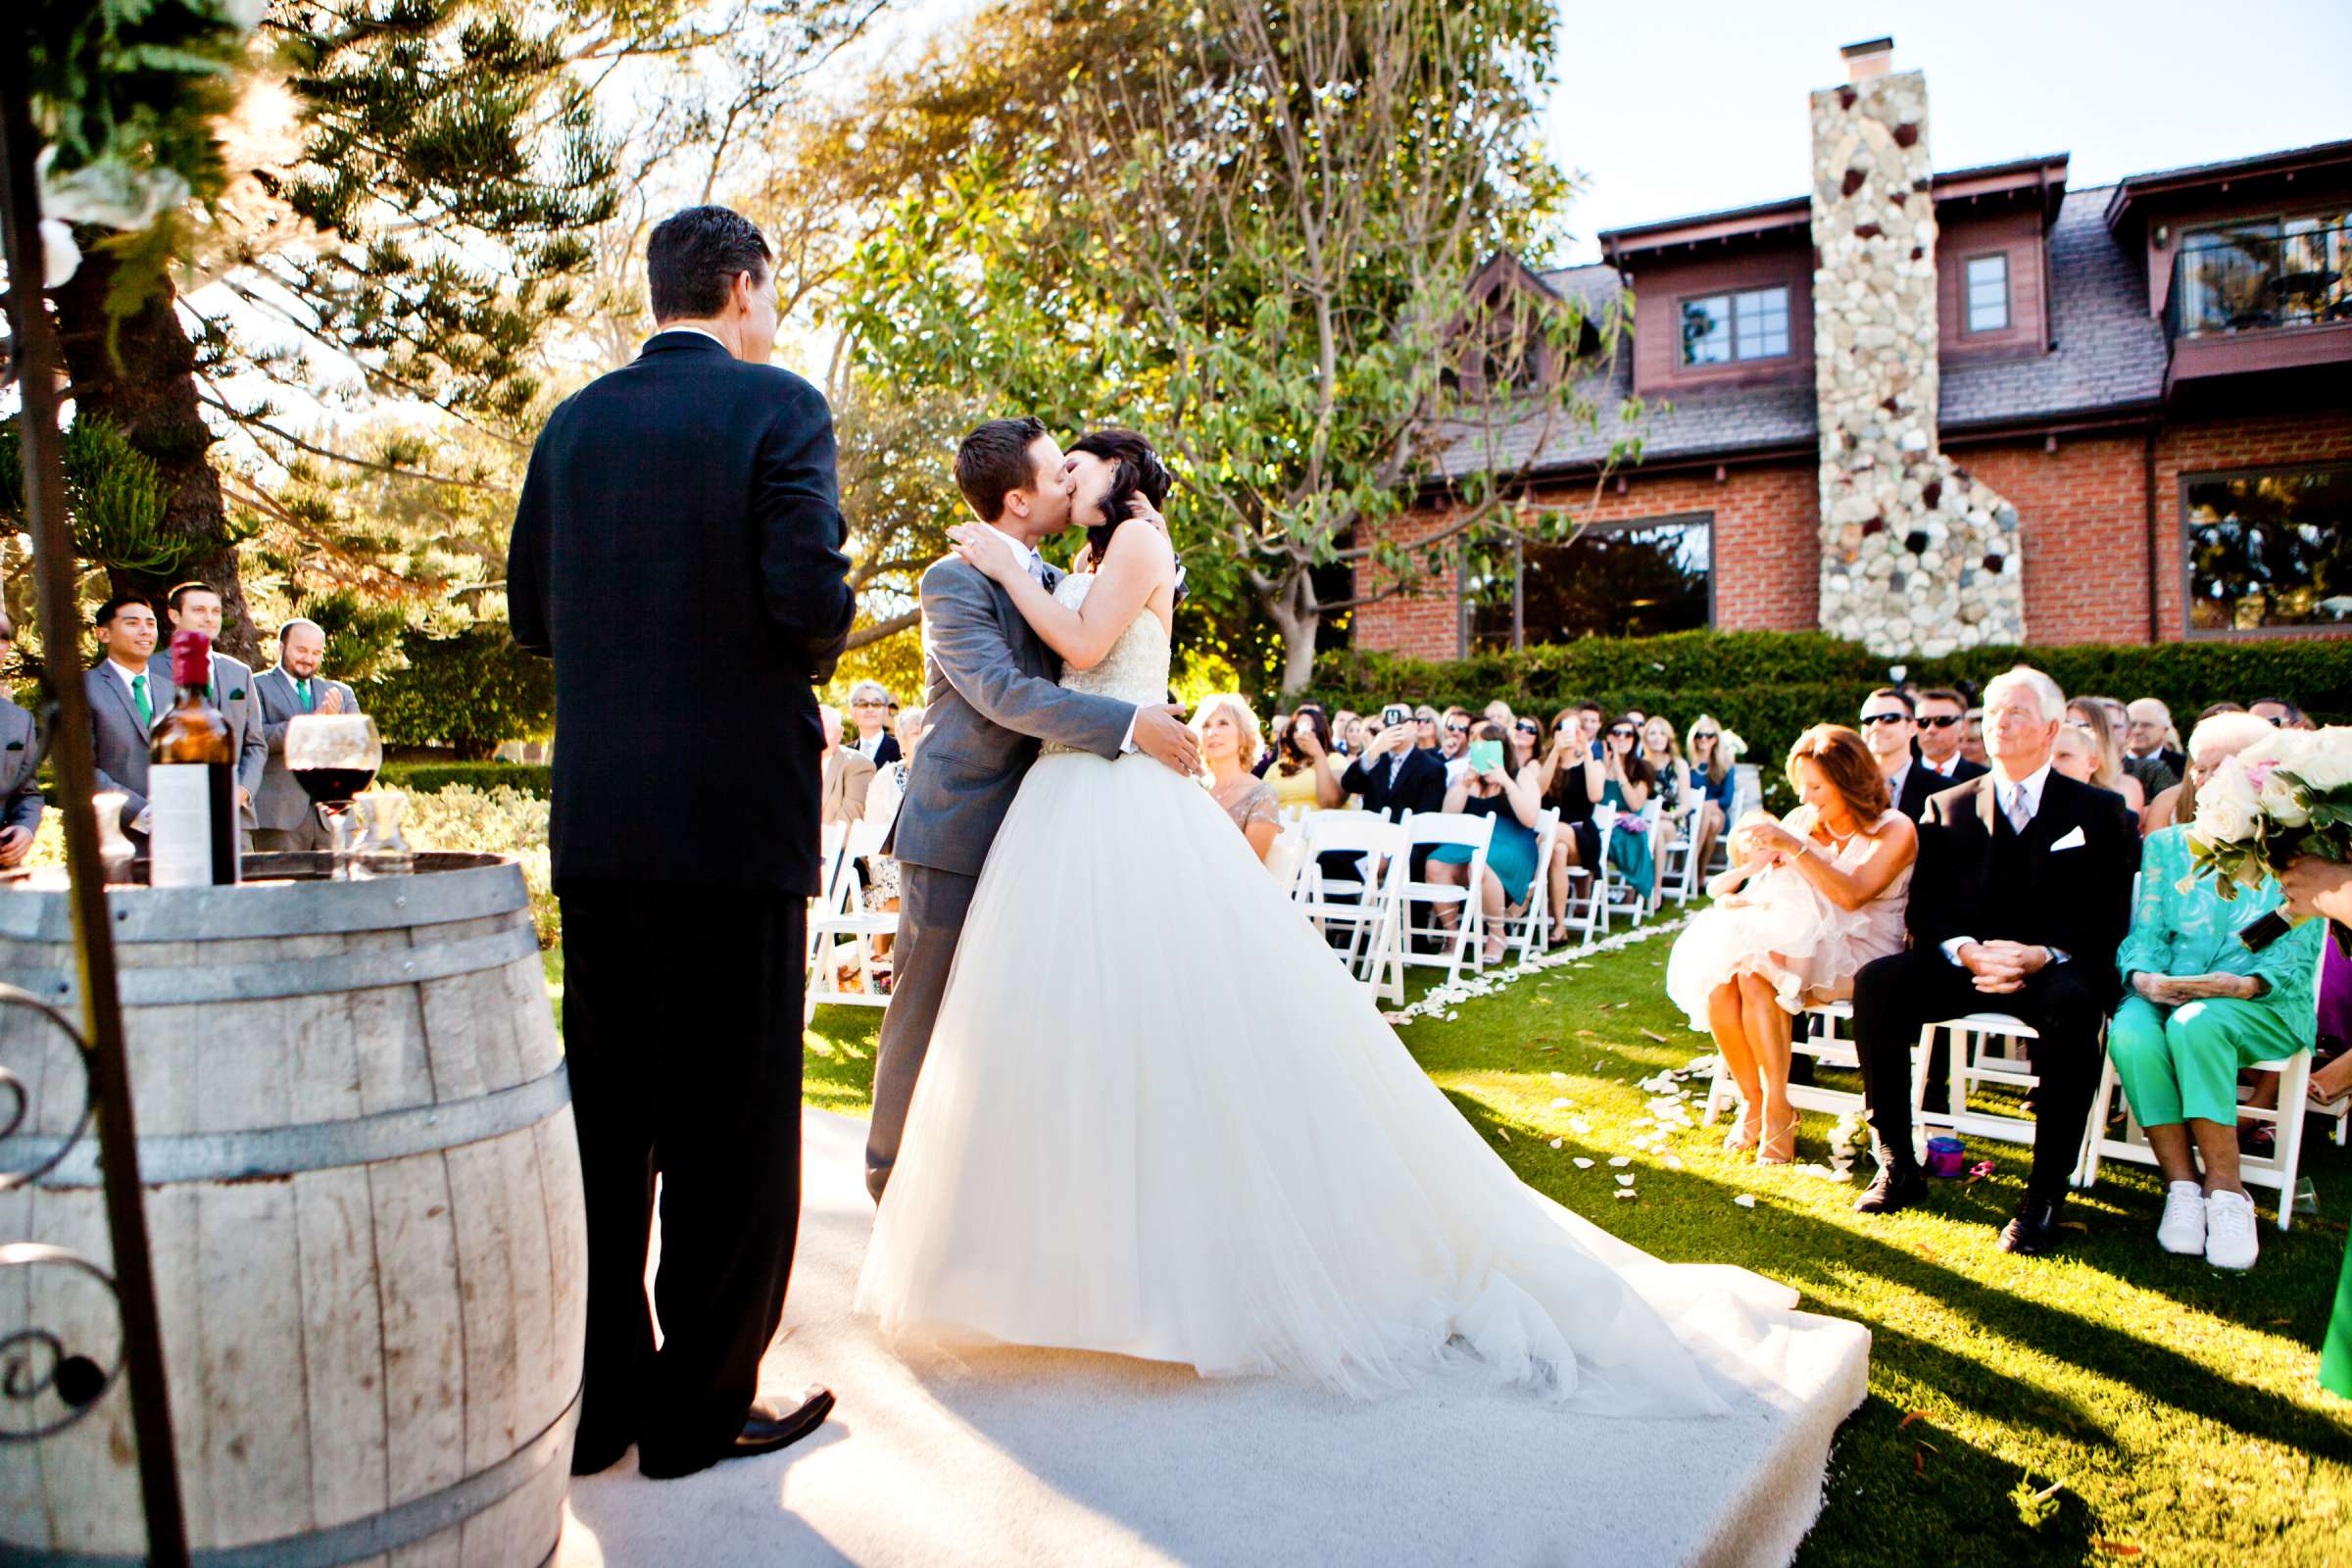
[2148, 753]
[869, 710]
[2021, 896]
[288, 690]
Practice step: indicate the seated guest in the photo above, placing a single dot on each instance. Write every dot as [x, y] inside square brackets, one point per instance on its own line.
[2203, 1008]
[2021, 897]
[1526, 741]
[2179, 803]
[2278, 712]
[1228, 733]
[907, 726]
[1972, 737]
[1515, 803]
[1624, 791]
[1276, 728]
[1806, 904]
[1425, 728]
[1670, 783]
[1397, 775]
[1498, 715]
[2151, 751]
[846, 777]
[869, 710]
[1303, 774]
[1939, 716]
[2089, 719]
[22, 747]
[1454, 743]
[1345, 736]
[1714, 772]
[1571, 779]
[1591, 716]
[1889, 727]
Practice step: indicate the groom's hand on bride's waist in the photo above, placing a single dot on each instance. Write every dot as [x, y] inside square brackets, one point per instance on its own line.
[1163, 734]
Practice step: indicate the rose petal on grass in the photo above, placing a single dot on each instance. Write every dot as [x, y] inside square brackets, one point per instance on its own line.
[1746, 1200]
[1503, 1133]
[1625, 1179]
[1627, 1192]
[1620, 1162]
[1581, 1163]
[1557, 1142]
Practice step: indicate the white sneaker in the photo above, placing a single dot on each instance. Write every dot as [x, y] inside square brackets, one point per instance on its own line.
[2230, 1231]
[2182, 1228]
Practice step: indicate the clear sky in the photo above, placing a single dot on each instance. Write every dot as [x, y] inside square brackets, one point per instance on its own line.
[1686, 106]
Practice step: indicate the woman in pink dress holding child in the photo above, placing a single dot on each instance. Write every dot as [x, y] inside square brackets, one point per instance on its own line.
[1807, 902]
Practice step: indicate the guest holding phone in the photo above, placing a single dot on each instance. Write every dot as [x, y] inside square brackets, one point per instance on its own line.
[1488, 789]
[1302, 774]
[1626, 783]
[1571, 779]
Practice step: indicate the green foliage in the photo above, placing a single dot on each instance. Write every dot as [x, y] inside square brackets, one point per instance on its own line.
[497, 820]
[470, 692]
[525, 778]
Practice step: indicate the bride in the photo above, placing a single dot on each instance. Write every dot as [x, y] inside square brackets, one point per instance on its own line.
[1159, 1119]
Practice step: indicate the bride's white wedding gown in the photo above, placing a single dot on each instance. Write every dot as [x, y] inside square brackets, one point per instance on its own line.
[1158, 1118]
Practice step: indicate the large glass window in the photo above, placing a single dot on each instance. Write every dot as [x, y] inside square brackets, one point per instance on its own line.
[1988, 293]
[2257, 272]
[1623, 579]
[1752, 324]
[2269, 549]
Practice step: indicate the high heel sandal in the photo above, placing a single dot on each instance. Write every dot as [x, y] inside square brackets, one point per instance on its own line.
[1743, 1135]
[1778, 1147]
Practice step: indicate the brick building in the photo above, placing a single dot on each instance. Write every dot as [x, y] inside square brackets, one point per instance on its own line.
[1926, 409]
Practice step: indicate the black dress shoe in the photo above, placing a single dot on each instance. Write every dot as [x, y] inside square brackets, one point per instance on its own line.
[2033, 1233]
[1897, 1188]
[763, 1432]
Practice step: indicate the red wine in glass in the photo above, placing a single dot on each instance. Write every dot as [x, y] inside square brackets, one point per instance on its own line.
[333, 786]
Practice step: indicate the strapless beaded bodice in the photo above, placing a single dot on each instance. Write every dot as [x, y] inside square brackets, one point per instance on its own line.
[1135, 670]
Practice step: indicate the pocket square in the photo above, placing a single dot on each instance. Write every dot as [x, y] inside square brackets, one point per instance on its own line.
[2072, 841]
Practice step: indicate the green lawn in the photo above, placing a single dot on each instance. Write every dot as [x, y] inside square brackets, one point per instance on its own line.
[2112, 1405]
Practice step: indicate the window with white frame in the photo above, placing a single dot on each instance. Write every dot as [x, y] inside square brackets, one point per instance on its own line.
[1988, 282]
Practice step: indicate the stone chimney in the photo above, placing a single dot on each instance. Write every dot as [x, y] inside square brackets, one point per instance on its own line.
[1916, 556]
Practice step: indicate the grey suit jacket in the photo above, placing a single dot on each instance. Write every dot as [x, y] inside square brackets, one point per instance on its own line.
[121, 739]
[232, 694]
[21, 751]
[281, 804]
[990, 696]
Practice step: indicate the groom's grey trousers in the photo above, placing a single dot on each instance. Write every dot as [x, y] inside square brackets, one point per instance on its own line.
[931, 908]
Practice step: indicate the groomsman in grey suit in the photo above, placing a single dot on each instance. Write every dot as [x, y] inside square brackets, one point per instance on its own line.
[21, 749]
[287, 690]
[194, 607]
[127, 695]
[991, 695]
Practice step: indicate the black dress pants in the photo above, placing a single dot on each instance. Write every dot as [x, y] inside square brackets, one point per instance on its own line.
[1896, 996]
[682, 1030]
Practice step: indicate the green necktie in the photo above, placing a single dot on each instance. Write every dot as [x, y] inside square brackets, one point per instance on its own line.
[304, 686]
[138, 695]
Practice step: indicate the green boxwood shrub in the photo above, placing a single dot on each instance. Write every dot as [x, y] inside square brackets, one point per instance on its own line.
[468, 693]
[420, 778]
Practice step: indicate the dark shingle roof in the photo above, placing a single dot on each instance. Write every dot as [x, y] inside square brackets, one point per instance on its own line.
[2110, 354]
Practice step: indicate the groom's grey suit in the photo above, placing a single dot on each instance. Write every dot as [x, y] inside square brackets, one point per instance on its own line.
[990, 697]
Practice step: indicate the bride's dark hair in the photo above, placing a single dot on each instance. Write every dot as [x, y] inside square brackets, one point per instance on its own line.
[1135, 470]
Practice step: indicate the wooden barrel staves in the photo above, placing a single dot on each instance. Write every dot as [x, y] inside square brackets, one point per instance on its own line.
[364, 1193]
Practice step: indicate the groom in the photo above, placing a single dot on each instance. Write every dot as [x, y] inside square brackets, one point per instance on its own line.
[990, 697]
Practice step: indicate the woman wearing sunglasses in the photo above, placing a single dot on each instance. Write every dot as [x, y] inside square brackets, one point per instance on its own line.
[1626, 785]
[1712, 774]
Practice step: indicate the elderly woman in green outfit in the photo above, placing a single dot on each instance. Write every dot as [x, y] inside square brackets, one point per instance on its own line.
[2201, 1008]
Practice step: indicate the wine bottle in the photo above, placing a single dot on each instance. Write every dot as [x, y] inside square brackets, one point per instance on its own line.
[191, 779]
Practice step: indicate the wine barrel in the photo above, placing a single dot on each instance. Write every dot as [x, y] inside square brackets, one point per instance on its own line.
[363, 1192]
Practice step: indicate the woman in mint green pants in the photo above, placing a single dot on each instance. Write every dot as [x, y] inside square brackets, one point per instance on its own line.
[2202, 1008]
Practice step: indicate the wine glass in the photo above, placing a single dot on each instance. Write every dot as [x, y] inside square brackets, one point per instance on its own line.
[334, 757]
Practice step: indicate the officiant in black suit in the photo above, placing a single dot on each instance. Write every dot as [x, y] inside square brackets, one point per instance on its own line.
[677, 552]
[2021, 897]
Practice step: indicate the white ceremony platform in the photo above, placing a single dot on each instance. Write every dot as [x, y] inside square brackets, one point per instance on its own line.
[1024, 1456]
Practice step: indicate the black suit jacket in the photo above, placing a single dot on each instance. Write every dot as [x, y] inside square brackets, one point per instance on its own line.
[1923, 784]
[677, 553]
[1420, 784]
[885, 753]
[2077, 900]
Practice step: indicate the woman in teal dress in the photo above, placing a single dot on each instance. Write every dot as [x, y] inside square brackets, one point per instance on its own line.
[1625, 791]
[1516, 803]
[2200, 1008]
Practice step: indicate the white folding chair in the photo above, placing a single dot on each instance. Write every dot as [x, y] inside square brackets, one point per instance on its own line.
[1617, 896]
[1987, 1049]
[1528, 931]
[2276, 1170]
[841, 932]
[1458, 949]
[1832, 1047]
[1351, 907]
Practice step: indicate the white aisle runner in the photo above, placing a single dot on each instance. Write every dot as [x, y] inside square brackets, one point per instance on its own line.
[1027, 1456]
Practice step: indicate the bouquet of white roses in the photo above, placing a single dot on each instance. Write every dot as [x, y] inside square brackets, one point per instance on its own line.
[2285, 795]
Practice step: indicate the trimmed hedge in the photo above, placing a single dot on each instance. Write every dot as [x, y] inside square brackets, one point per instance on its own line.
[424, 777]
[1771, 686]
[468, 693]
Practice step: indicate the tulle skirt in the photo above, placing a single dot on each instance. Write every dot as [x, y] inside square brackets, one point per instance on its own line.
[1783, 928]
[1158, 1118]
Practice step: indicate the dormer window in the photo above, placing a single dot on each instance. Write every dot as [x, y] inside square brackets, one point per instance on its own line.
[1987, 281]
[1721, 328]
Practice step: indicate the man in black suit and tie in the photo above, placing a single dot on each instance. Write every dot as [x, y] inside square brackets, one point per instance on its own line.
[2019, 899]
[1938, 717]
[690, 498]
[1394, 776]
